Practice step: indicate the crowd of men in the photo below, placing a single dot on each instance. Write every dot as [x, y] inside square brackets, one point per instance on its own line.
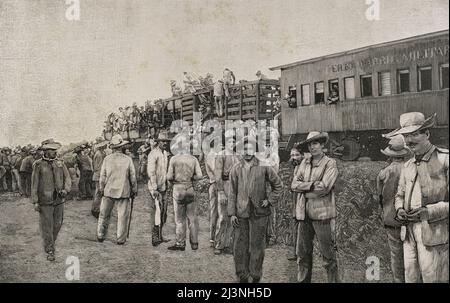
[243, 194]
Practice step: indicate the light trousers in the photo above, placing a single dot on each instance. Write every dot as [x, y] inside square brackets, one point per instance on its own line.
[428, 264]
[123, 214]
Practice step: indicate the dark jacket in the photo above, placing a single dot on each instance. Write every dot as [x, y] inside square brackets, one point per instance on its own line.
[248, 191]
[47, 181]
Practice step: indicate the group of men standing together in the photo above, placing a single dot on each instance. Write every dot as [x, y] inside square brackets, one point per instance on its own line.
[413, 195]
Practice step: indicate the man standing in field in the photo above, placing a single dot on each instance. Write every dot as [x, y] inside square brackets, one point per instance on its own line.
[422, 202]
[117, 185]
[387, 184]
[50, 183]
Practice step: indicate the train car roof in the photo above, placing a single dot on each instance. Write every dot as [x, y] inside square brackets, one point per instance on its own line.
[361, 49]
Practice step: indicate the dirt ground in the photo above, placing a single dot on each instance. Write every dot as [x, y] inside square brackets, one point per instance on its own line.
[22, 258]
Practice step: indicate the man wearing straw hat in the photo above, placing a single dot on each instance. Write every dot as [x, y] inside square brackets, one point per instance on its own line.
[315, 208]
[97, 162]
[249, 209]
[50, 183]
[387, 184]
[117, 184]
[157, 163]
[421, 202]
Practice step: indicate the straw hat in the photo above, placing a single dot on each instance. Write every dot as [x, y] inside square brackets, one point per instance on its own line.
[314, 136]
[163, 136]
[412, 122]
[396, 148]
[100, 142]
[117, 141]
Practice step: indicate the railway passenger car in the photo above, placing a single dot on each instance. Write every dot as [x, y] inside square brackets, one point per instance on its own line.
[359, 94]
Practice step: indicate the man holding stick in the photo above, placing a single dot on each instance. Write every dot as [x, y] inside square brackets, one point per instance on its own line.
[118, 185]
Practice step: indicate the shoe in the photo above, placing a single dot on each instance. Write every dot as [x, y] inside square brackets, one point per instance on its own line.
[51, 256]
[95, 213]
[256, 279]
[211, 243]
[155, 236]
[176, 247]
[292, 258]
[194, 246]
[243, 280]
[227, 251]
[100, 239]
[217, 251]
[120, 243]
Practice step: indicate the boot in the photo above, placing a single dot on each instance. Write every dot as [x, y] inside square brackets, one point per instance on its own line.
[160, 235]
[156, 240]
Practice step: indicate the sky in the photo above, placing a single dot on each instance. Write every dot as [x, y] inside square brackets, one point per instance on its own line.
[60, 78]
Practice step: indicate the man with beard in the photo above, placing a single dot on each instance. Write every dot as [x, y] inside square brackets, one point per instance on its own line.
[421, 202]
[50, 183]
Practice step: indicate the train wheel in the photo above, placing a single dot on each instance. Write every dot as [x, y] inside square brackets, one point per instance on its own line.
[351, 150]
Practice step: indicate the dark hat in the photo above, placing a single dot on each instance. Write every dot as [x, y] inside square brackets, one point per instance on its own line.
[50, 144]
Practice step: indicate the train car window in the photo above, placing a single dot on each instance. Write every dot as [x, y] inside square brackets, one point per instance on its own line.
[319, 96]
[366, 86]
[403, 80]
[384, 83]
[349, 88]
[424, 78]
[292, 98]
[443, 75]
[333, 91]
[305, 95]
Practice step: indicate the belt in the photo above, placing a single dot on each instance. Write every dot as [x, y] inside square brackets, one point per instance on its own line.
[392, 227]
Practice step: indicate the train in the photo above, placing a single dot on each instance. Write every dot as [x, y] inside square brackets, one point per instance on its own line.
[355, 96]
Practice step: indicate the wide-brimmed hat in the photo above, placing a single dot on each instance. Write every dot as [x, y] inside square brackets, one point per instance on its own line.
[79, 148]
[163, 136]
[314, 136]
[412, 122]
[100, 142]
[397, 148]
[5, 149]
[50, 144]
[117, 141]
[247, 140]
